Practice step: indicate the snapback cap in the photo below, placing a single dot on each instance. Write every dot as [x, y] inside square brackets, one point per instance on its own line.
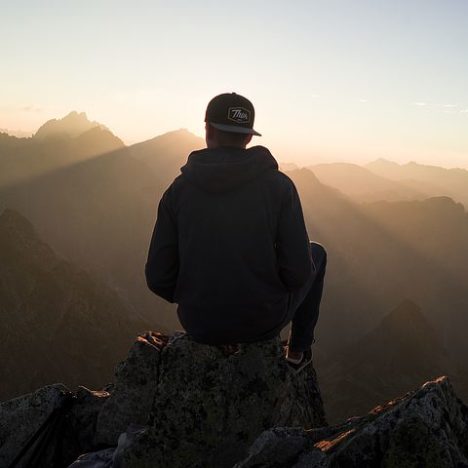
[231, 112]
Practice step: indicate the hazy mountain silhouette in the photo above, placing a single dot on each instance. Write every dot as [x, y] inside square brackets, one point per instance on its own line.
[288, 166]
[72, 125]
[434, 180]
[165, 154]
[362, 184]
[59, 324]
[57, 144]
[401, 352]
[103, 217]
[16, 133]
[380, 254]
[99, 212]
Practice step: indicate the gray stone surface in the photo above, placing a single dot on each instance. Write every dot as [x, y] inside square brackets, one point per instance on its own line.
[85, 410]
[21, 417]
[179, 403]
[109, 457]
[279, 444]
[211, 404]
[132, 397]
[100, 459]
[426, 428]
[201, 405]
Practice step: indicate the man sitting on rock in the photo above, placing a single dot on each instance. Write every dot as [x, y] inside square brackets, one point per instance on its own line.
[230, 246]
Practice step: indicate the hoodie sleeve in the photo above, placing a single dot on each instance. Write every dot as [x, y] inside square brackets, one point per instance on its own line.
[292, 243]
[162, 265]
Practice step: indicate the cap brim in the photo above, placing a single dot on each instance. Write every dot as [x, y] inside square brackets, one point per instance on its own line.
[235, 129]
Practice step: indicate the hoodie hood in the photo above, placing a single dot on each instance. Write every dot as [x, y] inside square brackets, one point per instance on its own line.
[225, 168]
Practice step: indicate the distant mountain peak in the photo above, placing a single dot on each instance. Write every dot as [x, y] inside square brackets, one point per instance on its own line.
[17, 236]
[170, 144]
[407, 311]
[382, 162]
[288, 166]
[72, 125]
[175, 135]
[13, 222]
[385, 160]
[76, 115]
[407, 324]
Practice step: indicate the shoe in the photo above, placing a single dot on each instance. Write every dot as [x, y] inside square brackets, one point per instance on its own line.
[306, 359]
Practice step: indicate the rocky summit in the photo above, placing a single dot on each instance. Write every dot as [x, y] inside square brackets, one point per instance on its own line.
[179, 403]
[174, 402]
[425, 428]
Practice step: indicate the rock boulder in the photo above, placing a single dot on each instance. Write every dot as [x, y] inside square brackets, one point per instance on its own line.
[425, 428]
[211, 403]
[179, 403]
[174, 402]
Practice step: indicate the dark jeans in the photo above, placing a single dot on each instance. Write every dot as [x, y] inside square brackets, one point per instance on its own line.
[304, 303]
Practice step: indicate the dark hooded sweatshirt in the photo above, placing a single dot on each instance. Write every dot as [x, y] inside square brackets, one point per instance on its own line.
[229, 245]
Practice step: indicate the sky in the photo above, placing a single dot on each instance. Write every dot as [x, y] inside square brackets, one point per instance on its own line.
[331, 80]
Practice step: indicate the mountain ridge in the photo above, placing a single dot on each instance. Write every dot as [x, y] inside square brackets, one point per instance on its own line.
[98, 213]
[434, 179]
[58, 321]
[363, 185]
[402, 351]
[71, 125]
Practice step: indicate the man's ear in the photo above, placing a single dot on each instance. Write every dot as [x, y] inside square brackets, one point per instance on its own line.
[248, 139]
[208, 133]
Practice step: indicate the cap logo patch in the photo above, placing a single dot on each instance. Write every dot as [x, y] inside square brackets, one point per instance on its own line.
[239, 115]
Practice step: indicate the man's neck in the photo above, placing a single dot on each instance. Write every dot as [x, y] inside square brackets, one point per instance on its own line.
[216, 145]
